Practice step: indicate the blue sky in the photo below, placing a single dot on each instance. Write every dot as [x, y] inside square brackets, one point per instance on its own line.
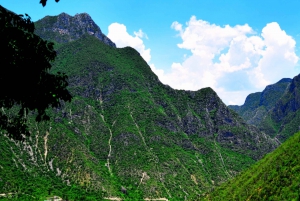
[235, 47]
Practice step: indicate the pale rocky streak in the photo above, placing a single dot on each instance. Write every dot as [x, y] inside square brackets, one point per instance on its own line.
[155, 158]
[46, 145]
[221, 159]
[110, 137]
[112, 198]
[51, 164]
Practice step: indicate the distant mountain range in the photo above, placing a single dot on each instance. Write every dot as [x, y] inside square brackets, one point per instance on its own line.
[258, 104]
[274, 111]
[125, 135]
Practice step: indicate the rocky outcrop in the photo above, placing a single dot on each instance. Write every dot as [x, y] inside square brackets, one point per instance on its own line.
[257, 105]
[284, 117]
[65, 28]
[276, 110]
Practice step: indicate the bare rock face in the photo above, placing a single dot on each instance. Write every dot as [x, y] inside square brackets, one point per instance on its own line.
[286, 112]
[258, 105]
[276, 110]
[65, 28]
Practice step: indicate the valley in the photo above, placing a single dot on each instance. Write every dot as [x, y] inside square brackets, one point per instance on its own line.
[127, 136]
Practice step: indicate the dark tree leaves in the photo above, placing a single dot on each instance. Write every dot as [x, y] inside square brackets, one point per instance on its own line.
[43, 2]
[25, 80]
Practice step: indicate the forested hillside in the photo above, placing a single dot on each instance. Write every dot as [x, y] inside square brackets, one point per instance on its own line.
[125, 135]
[275, 177]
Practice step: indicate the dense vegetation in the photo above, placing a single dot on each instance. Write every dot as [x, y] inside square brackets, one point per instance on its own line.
[126, 135]
[275, 177]
[164, 143]
[26, 59]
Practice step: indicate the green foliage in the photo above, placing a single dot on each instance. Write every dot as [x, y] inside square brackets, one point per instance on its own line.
[275, 177]
[43, 2]
[25, 79]
[127, 135]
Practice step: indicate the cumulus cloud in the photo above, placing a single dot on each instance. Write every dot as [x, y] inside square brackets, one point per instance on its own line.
[233, 60]
[140, 34]
[119, 35]
[278, 58]
[206, 40]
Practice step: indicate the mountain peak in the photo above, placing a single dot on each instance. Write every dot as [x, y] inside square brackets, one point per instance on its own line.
[258, 104]
[63, 13]
[284, 80]
[65, 28]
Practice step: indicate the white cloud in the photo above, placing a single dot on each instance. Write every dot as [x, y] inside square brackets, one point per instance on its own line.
[186, 75]
[234, 97]
[233, 60]
[140, 34]
[119, 35]
[158, 72]
[206, 40]
[279, 58]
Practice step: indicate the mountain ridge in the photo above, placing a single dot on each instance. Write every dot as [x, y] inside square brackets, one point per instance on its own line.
[283, 121]
[258, 104]
[279, 112]
[126, 134]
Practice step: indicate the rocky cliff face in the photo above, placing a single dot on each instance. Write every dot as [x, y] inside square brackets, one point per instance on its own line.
[65, 28]
[290, 102]
[283, 120]
[274, 111]
[258, 104]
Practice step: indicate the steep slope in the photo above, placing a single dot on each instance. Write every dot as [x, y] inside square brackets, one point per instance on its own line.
[283, 120]
[258, 104]
[125, 134]
[275, 177]
[274, 111]
[65, 28]
[124, 129]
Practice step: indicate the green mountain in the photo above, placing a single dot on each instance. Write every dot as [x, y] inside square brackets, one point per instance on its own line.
[257, 105]
[275, 177]
[125, 134]
[275, 111]
[283, 120]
